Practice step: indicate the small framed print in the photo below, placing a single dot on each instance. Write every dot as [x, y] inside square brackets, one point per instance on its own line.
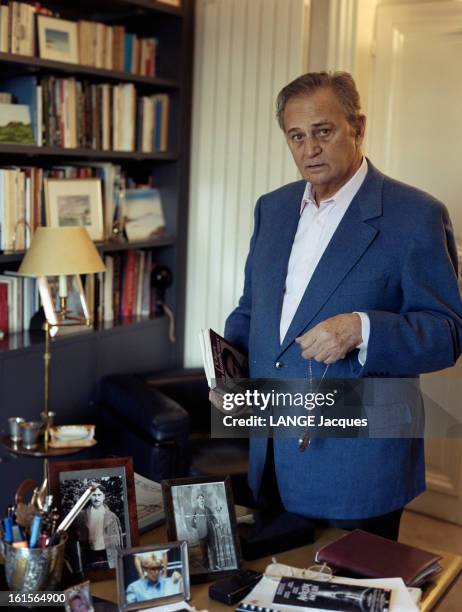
[153, 576]
[57, 39]
[73, 202]
[201, 512]
[107, 523]
[80, 599]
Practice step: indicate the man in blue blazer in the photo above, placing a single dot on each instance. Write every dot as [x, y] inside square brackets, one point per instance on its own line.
[351, 270]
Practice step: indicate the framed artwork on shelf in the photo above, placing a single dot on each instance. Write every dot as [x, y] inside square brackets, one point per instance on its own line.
[201, 512]
[93, 543]
[80, 599]
[153, 576]
[71, 202]
[57, 39]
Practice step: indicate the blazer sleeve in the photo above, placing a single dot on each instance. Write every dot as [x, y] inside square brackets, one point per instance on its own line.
[426, 335]
[237, 326]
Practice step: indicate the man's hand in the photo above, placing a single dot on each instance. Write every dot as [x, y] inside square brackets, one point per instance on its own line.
[331, 339]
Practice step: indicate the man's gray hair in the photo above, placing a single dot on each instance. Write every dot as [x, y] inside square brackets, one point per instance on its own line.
[341, 83]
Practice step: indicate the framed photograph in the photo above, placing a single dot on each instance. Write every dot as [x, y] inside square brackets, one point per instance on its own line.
[80, 599]
[57, 39]
[153, 576]
[107, 523]
[71, 202]
[201, 512]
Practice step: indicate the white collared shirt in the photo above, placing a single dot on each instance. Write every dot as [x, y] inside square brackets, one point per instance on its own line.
[315, 229]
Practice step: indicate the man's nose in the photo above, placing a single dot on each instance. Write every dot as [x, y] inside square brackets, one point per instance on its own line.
[311, 147]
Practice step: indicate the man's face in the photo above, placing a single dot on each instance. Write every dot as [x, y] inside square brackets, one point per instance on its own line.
[324, 145]
[78, 605]
[97, 498]
[201, 501]
[153, 572]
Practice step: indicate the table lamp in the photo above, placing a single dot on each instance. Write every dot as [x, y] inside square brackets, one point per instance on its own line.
[63, 252]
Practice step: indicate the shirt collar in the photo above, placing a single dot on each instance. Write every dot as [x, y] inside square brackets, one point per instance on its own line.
[344, 195]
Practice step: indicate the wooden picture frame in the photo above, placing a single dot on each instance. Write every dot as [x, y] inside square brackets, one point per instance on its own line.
[67, 481]
[208, 525]
[57, 39]
[164, 564]
[75, 202]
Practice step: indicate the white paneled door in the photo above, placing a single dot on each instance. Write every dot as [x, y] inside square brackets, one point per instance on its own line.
[415, 135]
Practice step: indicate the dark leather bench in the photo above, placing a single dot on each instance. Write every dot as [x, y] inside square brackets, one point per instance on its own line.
[162, 420]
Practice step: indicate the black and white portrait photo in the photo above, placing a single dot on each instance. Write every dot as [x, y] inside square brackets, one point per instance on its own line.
[153, 575]
[103, 525]
[202, 516]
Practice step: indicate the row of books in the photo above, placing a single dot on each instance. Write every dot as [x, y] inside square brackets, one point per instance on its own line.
[64, 112]
[98, 45]
[110, 47]
[22, 201]
[124, 291]
[19, 300]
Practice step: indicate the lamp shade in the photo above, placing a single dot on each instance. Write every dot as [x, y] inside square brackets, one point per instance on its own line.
[61, 250]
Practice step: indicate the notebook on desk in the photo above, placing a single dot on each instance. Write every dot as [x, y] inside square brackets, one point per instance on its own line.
[372, 556]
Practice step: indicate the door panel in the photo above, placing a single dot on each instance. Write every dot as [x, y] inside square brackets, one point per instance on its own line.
[415, 135]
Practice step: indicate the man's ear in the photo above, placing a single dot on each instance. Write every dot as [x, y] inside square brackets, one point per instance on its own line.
[360, 128]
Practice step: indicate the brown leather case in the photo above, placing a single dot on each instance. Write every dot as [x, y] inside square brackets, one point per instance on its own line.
[372, 556]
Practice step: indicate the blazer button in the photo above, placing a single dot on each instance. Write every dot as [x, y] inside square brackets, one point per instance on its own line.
[279, 365]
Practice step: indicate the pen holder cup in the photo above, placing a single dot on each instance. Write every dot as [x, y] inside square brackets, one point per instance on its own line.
[33, 569]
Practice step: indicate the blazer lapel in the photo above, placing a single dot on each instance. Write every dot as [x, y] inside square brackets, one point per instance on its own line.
[287, 223]
[350, 240]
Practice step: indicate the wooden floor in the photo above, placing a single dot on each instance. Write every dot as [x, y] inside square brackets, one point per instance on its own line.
[426, 532]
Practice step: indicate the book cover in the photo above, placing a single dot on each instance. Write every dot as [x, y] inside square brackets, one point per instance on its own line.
[143, 215]
[16, 124]
[223, 362]
[322, 595]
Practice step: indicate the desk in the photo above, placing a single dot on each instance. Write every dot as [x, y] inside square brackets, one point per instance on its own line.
[299, 557]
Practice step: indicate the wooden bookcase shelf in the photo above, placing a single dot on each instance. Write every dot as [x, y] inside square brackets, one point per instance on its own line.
[28, 151]
[79, 360]
[104, 247]
[33, 65]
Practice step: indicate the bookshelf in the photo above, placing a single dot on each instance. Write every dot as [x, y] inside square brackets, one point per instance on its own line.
[79, 360]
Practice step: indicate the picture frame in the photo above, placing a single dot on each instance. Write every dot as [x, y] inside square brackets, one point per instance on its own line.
[75, 202]
[57, 39]
[90, 550]
[208, 525]
[80, 595]
[163, 565]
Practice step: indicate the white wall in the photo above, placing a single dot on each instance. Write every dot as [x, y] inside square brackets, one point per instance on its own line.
[245, 51]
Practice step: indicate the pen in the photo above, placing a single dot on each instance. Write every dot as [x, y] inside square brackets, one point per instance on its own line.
[35, 531]
[8, 525]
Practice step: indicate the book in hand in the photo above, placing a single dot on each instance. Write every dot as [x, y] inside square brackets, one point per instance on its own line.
[372, 556]
[223, 362]
[322, 595]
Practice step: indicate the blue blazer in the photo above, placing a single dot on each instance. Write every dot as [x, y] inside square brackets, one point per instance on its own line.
[393, 256]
